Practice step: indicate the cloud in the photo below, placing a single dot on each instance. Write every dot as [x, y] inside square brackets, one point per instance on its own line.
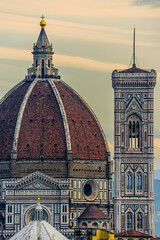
[153, 3]
[79, 9]
[86, 63]
[73, 30]
[63, 60]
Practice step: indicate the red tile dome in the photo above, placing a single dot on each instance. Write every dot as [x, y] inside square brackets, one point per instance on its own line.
[46, 126]
[47, 120]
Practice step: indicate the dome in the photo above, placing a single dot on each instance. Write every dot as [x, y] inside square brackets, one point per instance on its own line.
[46, 126]
[38, 230]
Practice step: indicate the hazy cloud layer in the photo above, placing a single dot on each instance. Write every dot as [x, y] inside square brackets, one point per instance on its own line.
[153, 3]
[63, 60]
[71, 8]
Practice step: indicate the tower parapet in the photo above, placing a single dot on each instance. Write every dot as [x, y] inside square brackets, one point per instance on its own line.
[134, 77]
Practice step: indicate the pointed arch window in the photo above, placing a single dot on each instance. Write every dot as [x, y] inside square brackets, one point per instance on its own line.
[129, 181]
[42, 69]
[129, 220]
[49, 63]
[36, 63]
[134, 132]
[139, 220]
[139, 181]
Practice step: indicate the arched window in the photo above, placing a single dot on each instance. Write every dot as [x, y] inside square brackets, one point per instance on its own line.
[64, 208]
[139, 181]
[104, 225]
[129, 182]
[134, 132]
[9, 208]
[95, 225]
[49, 63]
[9, 219]
[42, 69]
[84, 225]
[139, 220]
[36, 63]
[129, 220]
[64, 218]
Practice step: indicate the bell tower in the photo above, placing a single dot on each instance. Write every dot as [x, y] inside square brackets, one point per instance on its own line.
[134, 148]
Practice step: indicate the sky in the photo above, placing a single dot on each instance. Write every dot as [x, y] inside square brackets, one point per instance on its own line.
[90, 39]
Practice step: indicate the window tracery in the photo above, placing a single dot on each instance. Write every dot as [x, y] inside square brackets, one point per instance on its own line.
[139, 181]
[134, 130]
[129, 220]
[129, 181]
[139, 220]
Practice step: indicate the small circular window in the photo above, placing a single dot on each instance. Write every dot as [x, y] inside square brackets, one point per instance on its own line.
[90, 190]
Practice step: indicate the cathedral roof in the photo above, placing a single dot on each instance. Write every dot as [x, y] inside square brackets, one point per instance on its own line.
[93, 211]
[38, 230]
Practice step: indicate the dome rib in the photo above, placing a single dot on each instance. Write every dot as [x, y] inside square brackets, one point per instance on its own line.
[63, 113]
[92, 113]
[19, 120]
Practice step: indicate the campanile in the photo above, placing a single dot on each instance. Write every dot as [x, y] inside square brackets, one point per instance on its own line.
[134, 148]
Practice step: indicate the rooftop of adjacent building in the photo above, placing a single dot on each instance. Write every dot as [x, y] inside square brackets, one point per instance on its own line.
[132, 233]
[92, 211]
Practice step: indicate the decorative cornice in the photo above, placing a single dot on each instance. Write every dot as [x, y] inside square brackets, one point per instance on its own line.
[19, 183]
[144, 79]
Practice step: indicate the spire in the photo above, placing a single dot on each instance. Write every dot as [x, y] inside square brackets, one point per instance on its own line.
[42, 39]
[42, 57]
[134, 58]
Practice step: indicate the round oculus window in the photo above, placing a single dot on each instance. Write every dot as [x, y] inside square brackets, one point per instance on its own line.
[90, 190]
[87, 189]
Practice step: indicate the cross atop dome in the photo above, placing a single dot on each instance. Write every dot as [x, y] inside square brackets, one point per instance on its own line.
[42, 23]
[42, 17]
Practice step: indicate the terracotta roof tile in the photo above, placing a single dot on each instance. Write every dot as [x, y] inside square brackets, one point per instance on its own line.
[93, 211]
[9, 110]
[42, 131]
[86, 137]
[133, 70]
[131, 233]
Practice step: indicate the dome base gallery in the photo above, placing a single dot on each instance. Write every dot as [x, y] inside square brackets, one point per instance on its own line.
[48, 135]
